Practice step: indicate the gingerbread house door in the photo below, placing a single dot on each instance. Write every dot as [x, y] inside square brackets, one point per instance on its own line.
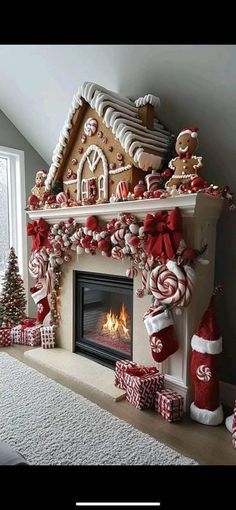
[92, 166]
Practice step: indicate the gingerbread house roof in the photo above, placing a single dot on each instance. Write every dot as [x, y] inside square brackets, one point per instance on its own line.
[146, 147]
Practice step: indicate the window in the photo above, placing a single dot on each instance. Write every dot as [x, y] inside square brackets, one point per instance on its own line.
[12, 205]
[84, 189]
[101, 187]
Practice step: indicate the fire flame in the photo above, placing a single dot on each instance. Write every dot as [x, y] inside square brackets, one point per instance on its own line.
[116, 325]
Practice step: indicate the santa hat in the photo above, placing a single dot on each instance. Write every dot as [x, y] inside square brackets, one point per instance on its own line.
[207, 338]
[189, 131]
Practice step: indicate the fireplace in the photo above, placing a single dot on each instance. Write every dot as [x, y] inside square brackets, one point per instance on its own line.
[103, 317]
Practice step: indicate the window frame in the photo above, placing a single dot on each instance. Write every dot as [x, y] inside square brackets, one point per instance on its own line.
[17, 201]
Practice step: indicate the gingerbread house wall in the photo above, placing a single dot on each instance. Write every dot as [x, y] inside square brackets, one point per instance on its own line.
[111, 148]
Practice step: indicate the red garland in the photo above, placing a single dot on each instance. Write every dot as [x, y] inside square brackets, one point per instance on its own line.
[39, 231]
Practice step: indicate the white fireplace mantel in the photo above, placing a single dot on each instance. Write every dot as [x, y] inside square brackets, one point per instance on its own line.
[200, 213]
[193, 204]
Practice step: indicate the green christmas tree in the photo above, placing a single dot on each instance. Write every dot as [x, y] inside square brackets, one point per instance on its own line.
[13, 300]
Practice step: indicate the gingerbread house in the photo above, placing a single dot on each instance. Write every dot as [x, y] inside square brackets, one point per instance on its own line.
[106, 145]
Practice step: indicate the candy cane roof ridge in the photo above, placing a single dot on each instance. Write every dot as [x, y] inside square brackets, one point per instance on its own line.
[121, 116]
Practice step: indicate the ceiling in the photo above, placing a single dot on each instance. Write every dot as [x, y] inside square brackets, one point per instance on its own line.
[196, 85]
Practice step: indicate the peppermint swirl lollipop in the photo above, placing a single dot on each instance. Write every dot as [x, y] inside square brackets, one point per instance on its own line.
[38, 265]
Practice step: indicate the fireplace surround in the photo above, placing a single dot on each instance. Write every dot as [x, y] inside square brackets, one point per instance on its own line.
[103, 317]
[200, 213]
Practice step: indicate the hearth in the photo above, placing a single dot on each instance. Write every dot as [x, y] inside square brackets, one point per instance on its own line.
[103, 317]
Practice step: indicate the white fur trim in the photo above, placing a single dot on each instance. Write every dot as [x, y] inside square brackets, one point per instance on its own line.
[158, 322]
[205, 416]
[206, 346]
[40, 294]
[229, 423]
[188, 132]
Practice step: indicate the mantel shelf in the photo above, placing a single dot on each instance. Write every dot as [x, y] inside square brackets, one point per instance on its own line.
[191, 205]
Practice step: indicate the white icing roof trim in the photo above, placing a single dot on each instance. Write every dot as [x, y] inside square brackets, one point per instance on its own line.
[121, 115]
[148, 99]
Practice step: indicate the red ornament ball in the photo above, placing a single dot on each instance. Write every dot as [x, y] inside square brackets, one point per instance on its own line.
[33, 200]
[167, 173]
[139, 189]
[91, 222]
[158, 193]
[198, 183]
[104, 245]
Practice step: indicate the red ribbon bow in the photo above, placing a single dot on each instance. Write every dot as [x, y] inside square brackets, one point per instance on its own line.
[164, 233]
[141, 372]
[185, 155]
[39, 232]
[28, 323]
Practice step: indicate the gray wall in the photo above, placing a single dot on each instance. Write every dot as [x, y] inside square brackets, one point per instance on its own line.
[11, 137]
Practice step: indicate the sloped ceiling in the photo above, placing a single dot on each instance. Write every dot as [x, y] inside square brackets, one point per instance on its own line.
[196, 85]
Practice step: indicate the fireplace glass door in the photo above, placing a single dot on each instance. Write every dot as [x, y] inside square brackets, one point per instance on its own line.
[103, 317]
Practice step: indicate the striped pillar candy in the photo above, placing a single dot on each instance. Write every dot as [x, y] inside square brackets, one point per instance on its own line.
[152, 181]
[122, 189]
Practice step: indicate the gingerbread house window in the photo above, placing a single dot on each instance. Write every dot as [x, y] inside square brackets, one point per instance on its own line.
[101, 187]
[84, 189]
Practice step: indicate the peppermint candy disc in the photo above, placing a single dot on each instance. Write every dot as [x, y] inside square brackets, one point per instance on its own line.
[117, 253]
[156, 344]
[203, 373]
[90, 126]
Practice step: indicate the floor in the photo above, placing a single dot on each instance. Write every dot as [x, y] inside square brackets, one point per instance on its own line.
[207, 445]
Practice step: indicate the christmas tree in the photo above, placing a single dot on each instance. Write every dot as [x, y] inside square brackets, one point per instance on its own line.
[13, 300]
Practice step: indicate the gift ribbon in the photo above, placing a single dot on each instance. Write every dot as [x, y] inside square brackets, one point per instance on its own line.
[28, 323]
[140, 372]
[39, 232]
[164, 233]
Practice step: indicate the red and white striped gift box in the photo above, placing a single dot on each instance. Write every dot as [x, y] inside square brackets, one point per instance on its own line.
[17, 335]
[141, 390]
[169, 404]
[5, 337]
[234, 427]
[120, 370]
[48, 337]
[26, 336]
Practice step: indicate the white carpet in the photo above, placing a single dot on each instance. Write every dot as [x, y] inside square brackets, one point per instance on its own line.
[50, 424]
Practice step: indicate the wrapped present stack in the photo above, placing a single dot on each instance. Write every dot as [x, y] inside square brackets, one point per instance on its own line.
[234, 427]
[48, 337]
[27, 333]
[140, 383]
[169, 404]
[5, 337]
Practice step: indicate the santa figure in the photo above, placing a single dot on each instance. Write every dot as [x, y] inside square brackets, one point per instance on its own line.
[207, 346]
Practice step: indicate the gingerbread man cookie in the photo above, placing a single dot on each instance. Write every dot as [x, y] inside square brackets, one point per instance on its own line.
[39, 189]
[185, 165]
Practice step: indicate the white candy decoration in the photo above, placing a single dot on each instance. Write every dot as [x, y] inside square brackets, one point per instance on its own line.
[134, 228]
[61, 198]
[131, 272]
[90, 126]
[117, 253]
[203, 373]
[172, 285]
[156, 344]
[37, 265]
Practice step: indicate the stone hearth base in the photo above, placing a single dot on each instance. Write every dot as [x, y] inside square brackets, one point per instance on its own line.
[77, 367]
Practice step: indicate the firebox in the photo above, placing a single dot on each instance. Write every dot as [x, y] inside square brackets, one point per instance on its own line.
[103, 317]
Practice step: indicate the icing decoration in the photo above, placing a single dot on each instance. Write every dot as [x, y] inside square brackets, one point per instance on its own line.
[118, 170]
[90, 126]
[148, 99]
[98, 155]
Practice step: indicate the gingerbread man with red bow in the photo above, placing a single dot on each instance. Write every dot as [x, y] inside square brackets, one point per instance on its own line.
[185, 165]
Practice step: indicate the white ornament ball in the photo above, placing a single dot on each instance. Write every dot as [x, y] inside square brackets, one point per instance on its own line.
[134, 228]
[79, 250]
[97, 237]
[103, 234]
[59, 260]
[128, 237]
[141, 232]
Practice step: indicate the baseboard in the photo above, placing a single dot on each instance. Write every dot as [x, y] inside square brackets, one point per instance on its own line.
[228, 394]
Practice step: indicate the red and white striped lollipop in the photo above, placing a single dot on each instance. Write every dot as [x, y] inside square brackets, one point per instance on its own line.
[172, 285]
[37, 265]
[90, 126]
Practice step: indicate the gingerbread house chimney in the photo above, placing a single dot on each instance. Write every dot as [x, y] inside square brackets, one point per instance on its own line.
[147, 109]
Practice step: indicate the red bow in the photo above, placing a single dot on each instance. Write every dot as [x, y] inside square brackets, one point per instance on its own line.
[141, 371]
[28, 323]
[164, 233]
[39, 232]
[185, 155]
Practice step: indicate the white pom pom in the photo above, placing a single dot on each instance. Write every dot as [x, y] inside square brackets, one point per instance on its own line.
[134, 228]
[128, 236]
[97, 237]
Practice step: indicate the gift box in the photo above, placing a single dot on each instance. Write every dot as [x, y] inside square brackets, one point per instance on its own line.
[120, 370]
[169, 404]
[234, 427]
[48, 337]
[141, 384]
[26, 335]
[5, 337]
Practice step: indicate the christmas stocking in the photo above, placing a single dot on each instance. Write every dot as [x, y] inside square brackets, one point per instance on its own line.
[40, 297]
[163, 340]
